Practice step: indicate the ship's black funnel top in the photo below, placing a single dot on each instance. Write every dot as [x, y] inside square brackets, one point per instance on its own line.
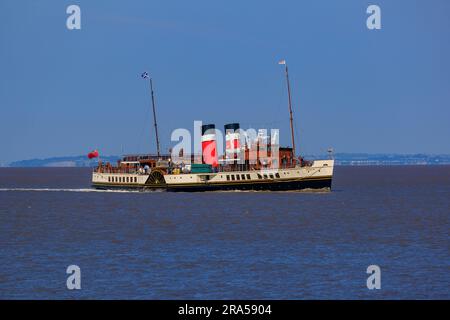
[207, 127]
[231, 127]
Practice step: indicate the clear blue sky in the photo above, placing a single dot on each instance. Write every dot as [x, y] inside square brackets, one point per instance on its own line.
[66, 92]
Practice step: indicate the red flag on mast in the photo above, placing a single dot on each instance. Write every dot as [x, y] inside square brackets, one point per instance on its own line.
[93, 154]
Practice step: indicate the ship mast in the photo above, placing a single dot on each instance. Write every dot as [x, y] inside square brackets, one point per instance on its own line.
[154, 118]
[146, 76]
[283, 62]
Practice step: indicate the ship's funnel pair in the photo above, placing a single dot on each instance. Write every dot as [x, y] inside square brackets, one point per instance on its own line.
[209, 145]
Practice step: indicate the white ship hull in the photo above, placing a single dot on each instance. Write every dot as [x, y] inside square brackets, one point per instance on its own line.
[317, 176]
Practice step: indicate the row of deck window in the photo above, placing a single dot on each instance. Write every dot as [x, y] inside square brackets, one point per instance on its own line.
[123, 179]
[271, 176]
[234, 177]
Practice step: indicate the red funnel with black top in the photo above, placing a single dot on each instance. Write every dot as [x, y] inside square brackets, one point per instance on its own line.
[209, 147]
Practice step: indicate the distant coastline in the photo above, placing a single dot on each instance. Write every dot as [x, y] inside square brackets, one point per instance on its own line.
[383, 159]
[69, 161]
[347, 159]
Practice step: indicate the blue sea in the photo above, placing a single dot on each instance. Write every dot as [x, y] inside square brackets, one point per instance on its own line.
[227, 245]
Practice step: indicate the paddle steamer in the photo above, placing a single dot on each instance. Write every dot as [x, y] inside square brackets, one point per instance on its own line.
[257, 164]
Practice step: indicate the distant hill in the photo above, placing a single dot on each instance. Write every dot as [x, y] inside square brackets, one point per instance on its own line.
[352, 159]
[75, 161]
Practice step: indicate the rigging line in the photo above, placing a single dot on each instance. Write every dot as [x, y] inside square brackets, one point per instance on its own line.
[282, 100]
[300, 146]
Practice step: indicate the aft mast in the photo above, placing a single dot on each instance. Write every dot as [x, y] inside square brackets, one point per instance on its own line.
[283, 62]
[146, 76]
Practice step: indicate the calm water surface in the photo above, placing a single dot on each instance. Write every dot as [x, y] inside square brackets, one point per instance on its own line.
[226, 245]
